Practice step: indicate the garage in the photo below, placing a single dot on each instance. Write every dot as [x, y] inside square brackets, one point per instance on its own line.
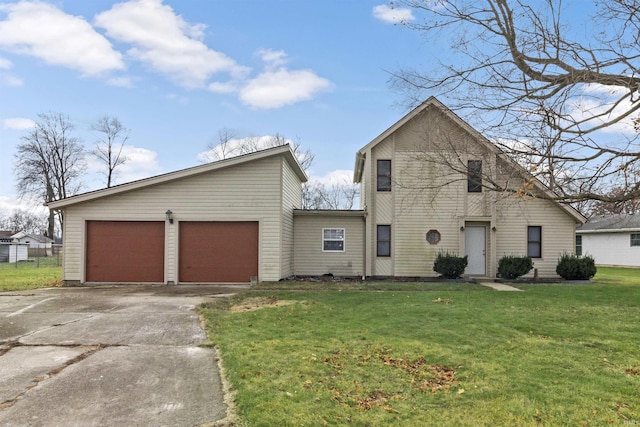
[125, 251]
[216, 251]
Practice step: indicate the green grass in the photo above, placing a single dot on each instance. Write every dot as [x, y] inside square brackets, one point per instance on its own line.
[453, 356]
[618, 275]
[30, 275]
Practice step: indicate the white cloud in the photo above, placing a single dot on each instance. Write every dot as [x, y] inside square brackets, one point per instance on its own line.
[141, 163]
[18, 123]
[5, 64]
[597, 100]
[7, 79]
[120, 81]
[43, 31]
[166, 42]
[336, 177]
[10, 204]
[392, 15]
[277, 88]
[219, 87]
[272, 58]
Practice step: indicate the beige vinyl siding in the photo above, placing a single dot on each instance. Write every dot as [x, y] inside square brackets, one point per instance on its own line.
[291, 199]
[309, 258]
[364, 197]
[419, 210]
[382, 202]
[428, 194]
[558, 231]
[171, 252]
[244, 192]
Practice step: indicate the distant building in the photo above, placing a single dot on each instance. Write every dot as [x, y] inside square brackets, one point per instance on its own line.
[38, 245]
[10, 249]
[612, 240]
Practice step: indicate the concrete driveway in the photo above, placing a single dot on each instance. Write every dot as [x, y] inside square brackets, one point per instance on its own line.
[108, 356]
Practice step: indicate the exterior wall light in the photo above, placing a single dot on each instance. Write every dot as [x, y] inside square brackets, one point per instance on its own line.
[462, 228]
[169, 216]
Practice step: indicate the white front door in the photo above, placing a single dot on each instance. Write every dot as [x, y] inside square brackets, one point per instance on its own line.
[475, 250]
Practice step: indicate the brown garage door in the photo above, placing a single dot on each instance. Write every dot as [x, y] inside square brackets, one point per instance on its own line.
[125, 251]
[218, 251]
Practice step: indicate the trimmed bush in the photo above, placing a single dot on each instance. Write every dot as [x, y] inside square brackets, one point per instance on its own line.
[449, 265]
[511, 267]
[573, 267]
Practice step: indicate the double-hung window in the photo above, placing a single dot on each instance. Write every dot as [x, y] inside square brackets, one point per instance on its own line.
[635, 239]
[578, 245]
[534, 241]
[383, 241]
[333, 239]
[474, 176]
[383, 175]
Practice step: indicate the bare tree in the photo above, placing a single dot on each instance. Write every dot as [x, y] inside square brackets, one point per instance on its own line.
[336, 196]
[109, 144]
[222, 149]
[49, 162]
[229, 145]
[523, 74]
[22, 220]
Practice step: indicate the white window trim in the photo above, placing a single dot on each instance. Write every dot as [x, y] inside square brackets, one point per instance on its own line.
[343, 240]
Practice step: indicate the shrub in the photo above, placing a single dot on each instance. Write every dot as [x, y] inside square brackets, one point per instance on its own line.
[573, 267]
[449, 265]
[511, 267]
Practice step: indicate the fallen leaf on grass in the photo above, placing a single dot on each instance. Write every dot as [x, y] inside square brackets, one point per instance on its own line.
[446, 300]
[251, 304]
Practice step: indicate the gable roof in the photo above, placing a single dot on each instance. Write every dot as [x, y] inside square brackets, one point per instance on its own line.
[611, 224]
[281, 150]
[5, 236]
[38, 238]
[358, 169]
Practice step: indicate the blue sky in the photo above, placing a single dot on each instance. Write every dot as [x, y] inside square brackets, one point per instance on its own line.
[176, 72]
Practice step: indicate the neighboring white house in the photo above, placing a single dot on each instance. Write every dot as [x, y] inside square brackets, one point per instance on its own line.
[38, 245]
[239, 219]
[611, 240]
[10, 249]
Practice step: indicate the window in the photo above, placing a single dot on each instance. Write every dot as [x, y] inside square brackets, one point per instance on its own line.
[433, 237]
[579, 245]
[474, 176]
[384, 240]
[333, 240]
[534, 241]
[384, 175]
[635, 239]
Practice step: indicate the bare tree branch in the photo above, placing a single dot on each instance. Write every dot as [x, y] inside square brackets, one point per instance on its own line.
[525, 76]
[109, 144]
[49, 162]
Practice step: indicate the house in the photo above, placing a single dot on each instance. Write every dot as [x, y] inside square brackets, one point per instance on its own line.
[240, 219]
[38, 245]
[424, 187]
[612, 240]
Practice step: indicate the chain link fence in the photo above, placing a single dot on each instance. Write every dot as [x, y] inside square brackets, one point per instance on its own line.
[21, 255]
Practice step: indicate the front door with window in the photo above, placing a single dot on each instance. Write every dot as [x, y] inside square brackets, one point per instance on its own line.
[475, 249]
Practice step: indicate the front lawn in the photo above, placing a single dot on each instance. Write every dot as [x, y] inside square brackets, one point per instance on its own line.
[445, 355]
